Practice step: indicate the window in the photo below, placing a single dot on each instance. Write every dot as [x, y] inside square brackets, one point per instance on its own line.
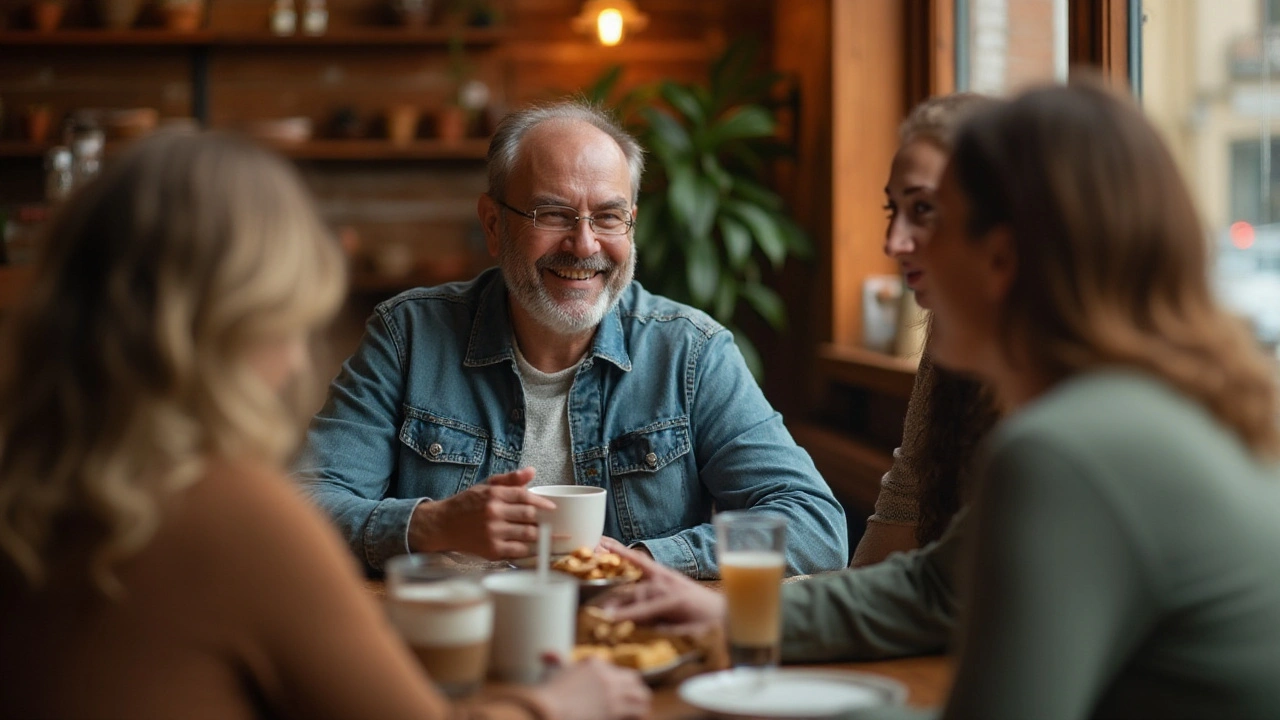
[1209, 82]
[1004, 45]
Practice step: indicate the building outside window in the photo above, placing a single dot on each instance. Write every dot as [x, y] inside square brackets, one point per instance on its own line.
[1209, 82]
[1003, 46]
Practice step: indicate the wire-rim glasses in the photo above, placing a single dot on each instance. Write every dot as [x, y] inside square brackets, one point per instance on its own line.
[560, 218]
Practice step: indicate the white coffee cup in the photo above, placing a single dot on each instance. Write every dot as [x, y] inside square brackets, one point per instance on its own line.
[578, 520]
[531, 618]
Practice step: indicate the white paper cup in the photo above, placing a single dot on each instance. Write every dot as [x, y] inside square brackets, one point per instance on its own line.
[530, 620]
[578, 520]
[446, 617]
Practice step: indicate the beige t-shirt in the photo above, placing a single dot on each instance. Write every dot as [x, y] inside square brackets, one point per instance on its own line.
[244, 604]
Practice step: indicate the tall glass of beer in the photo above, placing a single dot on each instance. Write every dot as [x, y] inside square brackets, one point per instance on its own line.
[750, 548]
[446, 617]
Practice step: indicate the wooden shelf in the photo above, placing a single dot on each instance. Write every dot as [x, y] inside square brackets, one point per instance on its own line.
[864, 368]
[103, 37]
[379, 36]
[370, 149]
[470, 149]
[372, 36]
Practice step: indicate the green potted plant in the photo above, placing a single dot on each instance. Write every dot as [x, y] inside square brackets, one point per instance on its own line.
[709, 229]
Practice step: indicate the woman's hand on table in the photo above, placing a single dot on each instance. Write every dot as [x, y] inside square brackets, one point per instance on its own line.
[662, 597]
[595, 690]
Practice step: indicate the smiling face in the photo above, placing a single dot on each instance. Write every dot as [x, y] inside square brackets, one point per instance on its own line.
[911, 203]
[563, 281]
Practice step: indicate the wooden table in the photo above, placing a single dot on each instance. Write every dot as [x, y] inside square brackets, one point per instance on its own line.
[927, 678]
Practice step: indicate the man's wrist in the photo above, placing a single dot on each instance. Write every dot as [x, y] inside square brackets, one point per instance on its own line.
[640, 547]
[421, 535]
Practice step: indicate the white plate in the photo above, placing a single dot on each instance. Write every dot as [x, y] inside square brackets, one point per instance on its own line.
[789, 692]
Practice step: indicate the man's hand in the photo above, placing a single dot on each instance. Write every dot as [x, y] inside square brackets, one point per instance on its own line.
[495, 519]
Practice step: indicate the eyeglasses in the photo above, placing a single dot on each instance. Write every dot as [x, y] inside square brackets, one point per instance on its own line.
[559, 218]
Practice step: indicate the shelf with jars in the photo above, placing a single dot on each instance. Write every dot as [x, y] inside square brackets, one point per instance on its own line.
[348, 36]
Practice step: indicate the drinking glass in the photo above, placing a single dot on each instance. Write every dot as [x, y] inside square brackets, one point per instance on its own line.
[751, 552]
[444, 613]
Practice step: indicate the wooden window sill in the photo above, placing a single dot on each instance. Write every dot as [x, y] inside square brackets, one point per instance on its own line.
[859, 367]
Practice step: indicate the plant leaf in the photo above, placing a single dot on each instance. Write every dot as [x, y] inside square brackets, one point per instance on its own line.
[766, 302]
[711, 167]
[726, 300]
[600, 90]
[667, 138]
[797, 239]
[702, 271]
[764, 227]
[757, 194]
[737, 241]
[745, 121]
[685, 101]
[730, 72]
[694, 201]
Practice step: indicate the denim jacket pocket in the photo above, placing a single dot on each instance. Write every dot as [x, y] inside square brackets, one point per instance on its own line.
[646, 470]
[448, 453]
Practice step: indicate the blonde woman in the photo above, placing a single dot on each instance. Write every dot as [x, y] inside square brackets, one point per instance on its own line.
[154, 561]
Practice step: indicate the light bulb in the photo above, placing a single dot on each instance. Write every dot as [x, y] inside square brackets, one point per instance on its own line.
[609, 26]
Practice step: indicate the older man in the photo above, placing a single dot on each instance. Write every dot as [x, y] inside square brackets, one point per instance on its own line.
[556, 368]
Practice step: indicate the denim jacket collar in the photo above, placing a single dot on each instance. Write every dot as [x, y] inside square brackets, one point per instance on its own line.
[490, 340]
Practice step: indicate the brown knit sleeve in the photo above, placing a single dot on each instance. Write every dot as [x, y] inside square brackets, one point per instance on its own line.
[316, 643]
[892, 526]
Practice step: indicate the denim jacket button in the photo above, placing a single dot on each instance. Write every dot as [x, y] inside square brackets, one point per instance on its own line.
[434, 449]
[651, 460]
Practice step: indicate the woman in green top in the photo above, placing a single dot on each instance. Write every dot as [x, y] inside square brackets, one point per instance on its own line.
[1125, 547]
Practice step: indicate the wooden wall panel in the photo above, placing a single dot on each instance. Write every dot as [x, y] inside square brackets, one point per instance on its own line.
[802, 49]
[869, 88]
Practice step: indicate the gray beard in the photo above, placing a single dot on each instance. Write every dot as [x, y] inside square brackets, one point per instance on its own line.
[573, 314]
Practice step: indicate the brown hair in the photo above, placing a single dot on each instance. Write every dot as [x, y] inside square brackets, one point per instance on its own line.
[126, 370]
[1111, 255]
[937, 119]
[956, 412]
[956, 415]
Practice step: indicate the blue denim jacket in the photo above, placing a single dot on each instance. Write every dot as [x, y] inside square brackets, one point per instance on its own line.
[663, 413]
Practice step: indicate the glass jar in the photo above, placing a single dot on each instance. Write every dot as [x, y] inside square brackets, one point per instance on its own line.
[86, 152]
[315, 18]
[284, 18]
[59, 178]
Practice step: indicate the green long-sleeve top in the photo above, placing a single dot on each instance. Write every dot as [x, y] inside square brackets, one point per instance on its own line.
[1124, 562]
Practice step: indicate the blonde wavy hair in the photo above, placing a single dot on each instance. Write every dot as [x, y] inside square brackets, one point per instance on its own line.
[1111, 255]
[125, 371]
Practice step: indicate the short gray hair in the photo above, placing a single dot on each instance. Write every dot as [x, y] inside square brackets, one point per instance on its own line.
[504, 149]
